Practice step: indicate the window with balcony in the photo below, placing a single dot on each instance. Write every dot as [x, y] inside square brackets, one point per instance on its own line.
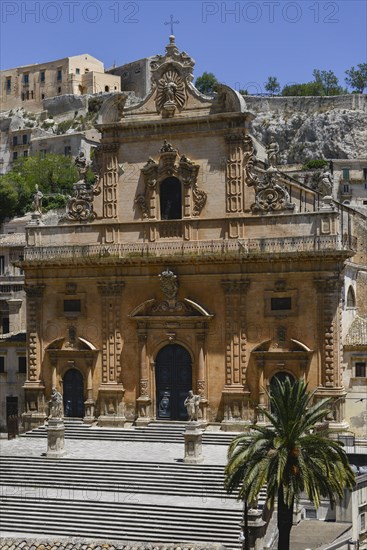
[2, 265]
[346, 174]
[171, 199]
[346, 188]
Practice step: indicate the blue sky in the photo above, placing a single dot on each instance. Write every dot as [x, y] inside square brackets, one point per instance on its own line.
[241, 42]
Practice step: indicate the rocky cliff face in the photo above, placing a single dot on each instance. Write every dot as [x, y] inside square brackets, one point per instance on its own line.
[312, 127]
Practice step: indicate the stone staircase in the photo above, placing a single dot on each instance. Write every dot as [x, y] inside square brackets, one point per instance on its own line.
[162, 432]
[122, 500]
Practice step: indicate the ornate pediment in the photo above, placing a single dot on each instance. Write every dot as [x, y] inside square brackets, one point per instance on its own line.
[169, 308]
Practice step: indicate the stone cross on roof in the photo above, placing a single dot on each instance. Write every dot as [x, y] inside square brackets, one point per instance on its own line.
[171, 22]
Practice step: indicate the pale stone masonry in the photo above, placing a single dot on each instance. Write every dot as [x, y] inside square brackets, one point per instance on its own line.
[193, 263]
[29, 85]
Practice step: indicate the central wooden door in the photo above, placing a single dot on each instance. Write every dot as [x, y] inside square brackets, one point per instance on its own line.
[173, 382]
[73, 387]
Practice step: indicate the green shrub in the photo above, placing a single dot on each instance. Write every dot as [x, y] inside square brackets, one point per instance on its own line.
[314, 164]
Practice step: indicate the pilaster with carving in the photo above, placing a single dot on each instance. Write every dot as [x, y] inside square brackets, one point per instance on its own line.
[235, 394]
[110, 176]
[234, 173]
[111, 391]
[35, 413]
[328, 290]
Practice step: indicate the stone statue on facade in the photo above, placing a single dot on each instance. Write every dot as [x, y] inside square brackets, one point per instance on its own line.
[192, 404]
[272, 151]
[323, 182]
[56, 404]
[37, 201]
[82, 167]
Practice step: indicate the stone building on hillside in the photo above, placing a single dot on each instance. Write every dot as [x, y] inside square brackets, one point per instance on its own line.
[193, 263]
[29, 85]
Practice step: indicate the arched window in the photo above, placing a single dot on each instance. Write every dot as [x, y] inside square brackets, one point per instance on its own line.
[351, 298]
[106, 88]
[170, 199]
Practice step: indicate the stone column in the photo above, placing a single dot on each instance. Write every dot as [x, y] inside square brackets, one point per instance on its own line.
[201, 377]
[89, 404]
[235, 394]
[143, 401]
[34, 414]
[330, 350]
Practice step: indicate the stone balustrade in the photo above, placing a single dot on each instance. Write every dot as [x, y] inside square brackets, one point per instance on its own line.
[239, 248]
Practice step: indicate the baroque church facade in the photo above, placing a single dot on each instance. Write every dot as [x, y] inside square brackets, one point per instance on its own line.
[192, 263]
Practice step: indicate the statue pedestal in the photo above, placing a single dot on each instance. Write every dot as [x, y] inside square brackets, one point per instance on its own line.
[193, 443]
[55, 438]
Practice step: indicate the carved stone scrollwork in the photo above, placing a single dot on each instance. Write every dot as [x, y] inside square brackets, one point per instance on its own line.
[80, 205]
[169, 284]
[171, 93]
[184, 169]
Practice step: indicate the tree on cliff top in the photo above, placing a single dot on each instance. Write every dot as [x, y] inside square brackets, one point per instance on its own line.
[357, 78]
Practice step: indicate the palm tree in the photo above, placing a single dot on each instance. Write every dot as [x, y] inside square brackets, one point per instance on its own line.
[289, 456]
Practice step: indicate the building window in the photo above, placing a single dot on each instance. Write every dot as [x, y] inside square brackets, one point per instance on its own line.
[170, 199]
[26, 79]
[43, 96]
[15, 140]
[106, 89]
[351, 299]
[8, 84]
[360, 370]
[346, 174]
[363, 521]
[346, 188]
[67, 150]
[280, 304]
[25, 139]
[32, 94]
[5, 325]
[59, 90]
[77, 71]
[15, 155]
[23, 96]
[2, 364]
[43, 76]
[72, 306]
[22, 365]
[25, 153]
[365, 174]
[59, 75]
[27, 94]
[42, 153]
[2, 265]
